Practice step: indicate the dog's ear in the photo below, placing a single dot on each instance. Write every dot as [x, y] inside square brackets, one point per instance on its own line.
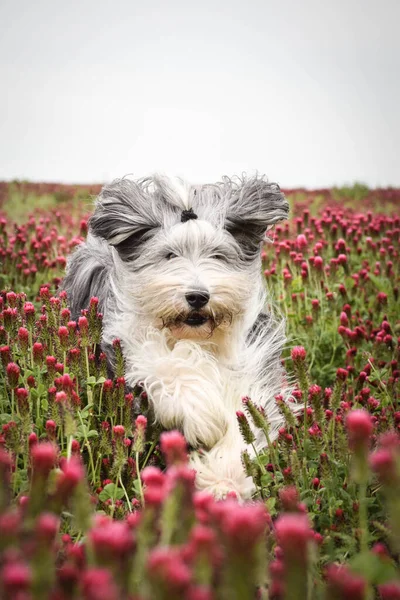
[253, 206]
[125, 216]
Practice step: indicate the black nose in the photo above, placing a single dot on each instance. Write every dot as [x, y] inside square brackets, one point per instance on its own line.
[197, 299]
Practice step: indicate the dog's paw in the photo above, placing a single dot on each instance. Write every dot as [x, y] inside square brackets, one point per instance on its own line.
[220, 472]
[224, 489]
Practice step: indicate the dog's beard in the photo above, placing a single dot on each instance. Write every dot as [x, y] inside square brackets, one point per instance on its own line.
[196, 324]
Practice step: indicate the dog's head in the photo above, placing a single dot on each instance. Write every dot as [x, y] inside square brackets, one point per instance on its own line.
[190, 255]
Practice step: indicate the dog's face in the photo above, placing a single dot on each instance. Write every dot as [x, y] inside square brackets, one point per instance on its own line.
[190, 256]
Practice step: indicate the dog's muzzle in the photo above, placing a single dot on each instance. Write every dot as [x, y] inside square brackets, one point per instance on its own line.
[196, 319]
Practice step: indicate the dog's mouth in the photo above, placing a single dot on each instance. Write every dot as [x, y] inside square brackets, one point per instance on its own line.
[199, 322]
[195, 319]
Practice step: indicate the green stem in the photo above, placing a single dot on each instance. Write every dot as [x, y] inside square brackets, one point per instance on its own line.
[87, 444]
[363, 517]
[139, 480]
[153, 445]
[69, 446]
[12, 403]
[100, 402]
[128, 502]
[261, 467]
[88, 388]
[273, 456]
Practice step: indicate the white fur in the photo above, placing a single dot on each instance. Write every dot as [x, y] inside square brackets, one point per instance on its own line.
[195, 377]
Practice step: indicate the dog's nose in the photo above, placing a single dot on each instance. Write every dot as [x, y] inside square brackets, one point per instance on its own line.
[197, 299]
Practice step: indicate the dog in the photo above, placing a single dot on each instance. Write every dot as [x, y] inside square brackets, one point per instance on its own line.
[177, 271]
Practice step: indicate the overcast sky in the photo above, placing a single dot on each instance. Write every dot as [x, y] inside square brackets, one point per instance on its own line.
[305, 91]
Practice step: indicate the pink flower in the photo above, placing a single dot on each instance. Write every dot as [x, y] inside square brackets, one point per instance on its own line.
[389, 591]
[13, 372]
[345, 584]
[83, 324]
[152, 476]
[243, 525]
[293, 534]
[72, 474]
[359, 428]
[141, 422]
[165, 565]
[174, 447]
[98, 584]
[301, 241]
[119, 431]
[63, 334]
[111, 539]
[43, 456]
[51, 427]
[289, 497]
[318, 263]
[37, 350]
[29, 309]
[298, 353]
[383, 463]
[47, 526]
[11, 298]
[382, 298]
[342, 374]
[16, 577]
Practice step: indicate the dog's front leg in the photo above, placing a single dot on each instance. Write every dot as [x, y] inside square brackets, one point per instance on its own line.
[184, 388]
[220, 470]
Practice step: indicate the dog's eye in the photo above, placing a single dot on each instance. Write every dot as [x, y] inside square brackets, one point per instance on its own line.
[218, 256]
[170, 255]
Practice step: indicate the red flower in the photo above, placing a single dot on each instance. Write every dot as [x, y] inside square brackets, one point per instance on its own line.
[47, 526]
[119, 431]
[389, 591]
[43, 456]
[111, 539]
[141, 422]
[298, 353]
[98, 584]
[301, 241]
[293, 534]
[37, 350]
[174, 447]
[359, 428]
[165, 565]
[13, 372]
[344, 584]
[289, 496]
[342, 374]
[72, 474]
[383, 463]
[16, 577]
[243, 525]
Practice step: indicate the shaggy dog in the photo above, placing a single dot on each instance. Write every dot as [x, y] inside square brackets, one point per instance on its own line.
[177, 270]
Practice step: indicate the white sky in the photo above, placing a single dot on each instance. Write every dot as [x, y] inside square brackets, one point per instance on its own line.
[306, 91]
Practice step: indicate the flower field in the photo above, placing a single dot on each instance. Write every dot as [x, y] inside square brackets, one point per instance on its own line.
[97, 503]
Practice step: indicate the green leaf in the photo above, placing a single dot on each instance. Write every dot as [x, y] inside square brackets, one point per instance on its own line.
[33, 393]
[111, 492]
[136, 488]
[41, 389]
[85, 411]
[93, 433]
[266, 479]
